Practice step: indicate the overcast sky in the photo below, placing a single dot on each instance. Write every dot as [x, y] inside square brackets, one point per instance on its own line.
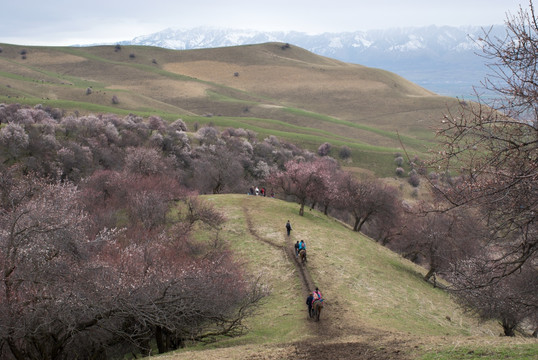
[69, 22]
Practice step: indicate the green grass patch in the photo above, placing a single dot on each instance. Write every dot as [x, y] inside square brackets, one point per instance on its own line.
[520, 352]
[408, 141]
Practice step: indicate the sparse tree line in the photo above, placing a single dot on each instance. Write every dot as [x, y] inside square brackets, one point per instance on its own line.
[479, 233]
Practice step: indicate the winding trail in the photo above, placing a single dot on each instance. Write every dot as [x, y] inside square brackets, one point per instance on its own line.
[374, 344]
[304, 275]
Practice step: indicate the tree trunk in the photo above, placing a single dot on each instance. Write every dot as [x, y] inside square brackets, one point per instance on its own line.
[361, 223]
[429, 275]
[356, 225]
[325, 209]
[19, 355]
[301, 210]
[508, 327]
[159, 340]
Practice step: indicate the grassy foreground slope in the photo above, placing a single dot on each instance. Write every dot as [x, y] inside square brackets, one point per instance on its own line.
[373, 297]
[269, 88]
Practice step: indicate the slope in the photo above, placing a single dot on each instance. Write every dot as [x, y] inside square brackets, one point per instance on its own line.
[273, 89]
[377, 305]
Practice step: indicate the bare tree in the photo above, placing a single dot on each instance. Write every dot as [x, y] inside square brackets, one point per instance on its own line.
[512, 301]
[300, 179]
[14, 140]
[495, 148]
[66, 292]
[365, 200]
[42, 246]
[439, 239]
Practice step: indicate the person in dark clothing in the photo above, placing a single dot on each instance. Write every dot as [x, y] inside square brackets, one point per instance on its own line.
[297, 248]
[288, 227]
[309, 301]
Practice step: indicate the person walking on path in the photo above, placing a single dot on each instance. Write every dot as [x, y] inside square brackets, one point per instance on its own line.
[309, 301]
[288, 227]
[297, 248]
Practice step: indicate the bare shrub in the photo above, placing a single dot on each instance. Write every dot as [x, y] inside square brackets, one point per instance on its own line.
[345, 152]
[178, 125]
[324, 149]
[414, 180]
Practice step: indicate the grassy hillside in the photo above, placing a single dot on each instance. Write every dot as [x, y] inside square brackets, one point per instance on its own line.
[375, 300]
[269, 88]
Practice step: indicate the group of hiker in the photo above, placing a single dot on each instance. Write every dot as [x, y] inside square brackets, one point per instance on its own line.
[299, 246]
[316, 294]
[259, 191]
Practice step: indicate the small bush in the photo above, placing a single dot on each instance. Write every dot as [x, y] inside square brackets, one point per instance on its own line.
[345, 152]
[324, 149]
[414, 180]
[236, 74]
[88, 91]
[117, 48]
[1, 49]
[400, 171]
[399, 161]
[131, 56]
[23, 52]
[153, 61]
[115, 100]
[179, 125]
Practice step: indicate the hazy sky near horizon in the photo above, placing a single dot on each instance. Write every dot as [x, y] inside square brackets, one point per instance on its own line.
[70, 22]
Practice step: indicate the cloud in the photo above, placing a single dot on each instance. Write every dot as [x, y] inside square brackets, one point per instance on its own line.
[57, 22]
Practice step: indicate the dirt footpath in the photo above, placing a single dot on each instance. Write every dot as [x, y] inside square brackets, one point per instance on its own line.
[333, 338]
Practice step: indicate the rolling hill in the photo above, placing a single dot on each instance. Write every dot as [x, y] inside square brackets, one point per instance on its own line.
[377, 305]
[273, 89]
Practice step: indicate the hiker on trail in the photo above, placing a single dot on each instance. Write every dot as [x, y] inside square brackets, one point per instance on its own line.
[297, 248]
[257, 191]
[288, 227]
[302, 246]
[309, 302]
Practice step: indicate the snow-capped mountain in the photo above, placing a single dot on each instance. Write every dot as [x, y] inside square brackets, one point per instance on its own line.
[442, 59]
